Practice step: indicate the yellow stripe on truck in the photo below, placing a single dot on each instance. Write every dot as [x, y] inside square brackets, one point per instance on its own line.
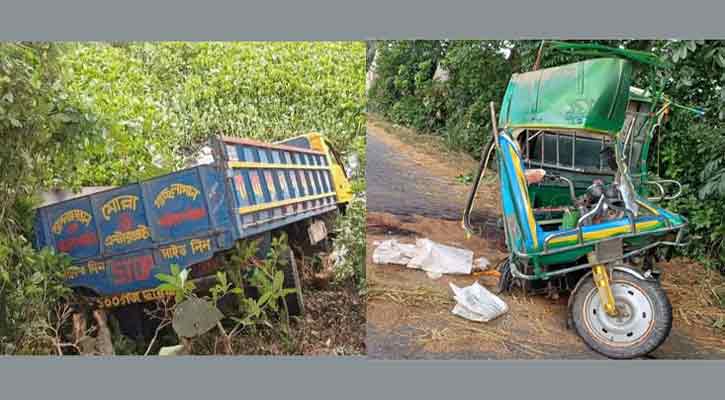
[275, 204]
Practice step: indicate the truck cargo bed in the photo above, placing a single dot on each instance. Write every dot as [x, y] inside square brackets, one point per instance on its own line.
[119, 239]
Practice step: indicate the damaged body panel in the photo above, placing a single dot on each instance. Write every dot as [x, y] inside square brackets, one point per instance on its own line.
[587, 214]
[120, 238]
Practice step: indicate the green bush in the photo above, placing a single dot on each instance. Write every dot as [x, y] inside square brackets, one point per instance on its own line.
[41, 132]
[157, 102]
[457, 109]
[349, 251]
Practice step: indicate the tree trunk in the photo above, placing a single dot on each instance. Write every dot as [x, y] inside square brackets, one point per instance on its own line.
[79, 326]
[104, 344]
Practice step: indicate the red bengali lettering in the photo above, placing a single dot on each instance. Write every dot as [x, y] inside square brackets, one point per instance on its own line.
[128, 270]
[68, 244]
[170, 219]
[205, 268]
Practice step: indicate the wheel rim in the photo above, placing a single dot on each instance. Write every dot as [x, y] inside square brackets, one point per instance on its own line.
[634, 321]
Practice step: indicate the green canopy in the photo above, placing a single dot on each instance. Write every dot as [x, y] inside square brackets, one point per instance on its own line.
[589, 95]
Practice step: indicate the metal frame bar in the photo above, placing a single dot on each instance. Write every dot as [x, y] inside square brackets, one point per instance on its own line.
[548, 252]
[601, 169]
[569, 182]
[564, 168]
[580, 223]
[662, 196]
[247, 164]
[282, 203]
[547, 275]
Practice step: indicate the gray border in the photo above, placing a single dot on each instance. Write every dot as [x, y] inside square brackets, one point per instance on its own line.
[357, 19]
[351, 378]
[202, 378]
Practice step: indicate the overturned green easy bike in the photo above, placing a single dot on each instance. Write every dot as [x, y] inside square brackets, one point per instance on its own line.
[592, 225]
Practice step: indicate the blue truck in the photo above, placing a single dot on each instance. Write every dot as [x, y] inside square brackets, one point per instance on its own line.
[120, 238]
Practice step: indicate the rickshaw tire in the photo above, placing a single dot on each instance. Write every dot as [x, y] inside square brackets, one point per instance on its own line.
[504, 281]
[658, 334]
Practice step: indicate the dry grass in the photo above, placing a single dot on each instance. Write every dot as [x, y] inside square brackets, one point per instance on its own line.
[696, 293]
[421, 296]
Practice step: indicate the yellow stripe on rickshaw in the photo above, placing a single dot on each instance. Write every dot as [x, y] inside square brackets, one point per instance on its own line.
[648, 207]
[525, 192]
[605, 233]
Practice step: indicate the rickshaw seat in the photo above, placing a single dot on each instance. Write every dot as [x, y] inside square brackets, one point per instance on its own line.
[526, 232]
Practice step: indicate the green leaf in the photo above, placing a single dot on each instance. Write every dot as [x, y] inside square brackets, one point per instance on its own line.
[167, 287]
[171, 279]
[710, 53]
[37, 278]
[264, 298]
[720, 59]
[61, 117]
[278, 281]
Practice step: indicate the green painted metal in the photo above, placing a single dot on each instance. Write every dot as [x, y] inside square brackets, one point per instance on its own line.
[590, 95]
[638, 94]
[544, 195]
[578, 254]
[570, 219]
[597, 50]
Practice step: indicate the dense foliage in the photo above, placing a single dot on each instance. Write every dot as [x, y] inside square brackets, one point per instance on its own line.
[159, 101]
[691, 151]
[76, 114]
[37, 123]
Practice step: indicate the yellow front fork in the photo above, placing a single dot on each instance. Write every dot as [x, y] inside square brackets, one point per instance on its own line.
[601, 279]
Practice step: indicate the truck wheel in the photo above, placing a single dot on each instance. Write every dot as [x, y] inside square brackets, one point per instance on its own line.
[643, 323]
[295, 305]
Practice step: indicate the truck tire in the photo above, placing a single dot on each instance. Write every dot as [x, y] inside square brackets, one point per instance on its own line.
[295, 304]
[645, 323]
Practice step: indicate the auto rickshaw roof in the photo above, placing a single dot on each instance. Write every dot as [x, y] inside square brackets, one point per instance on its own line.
[589, 95]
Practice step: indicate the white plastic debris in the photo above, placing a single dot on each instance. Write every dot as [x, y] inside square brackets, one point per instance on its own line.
[438, 258]
[434, 258]
[481, 264]
[433, 275]
[476, 303]
[172, 350]
[204, 156]
[393, 252]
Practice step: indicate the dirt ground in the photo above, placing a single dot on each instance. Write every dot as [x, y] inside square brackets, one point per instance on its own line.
[333, 324]
[334, 320]
[413, 193]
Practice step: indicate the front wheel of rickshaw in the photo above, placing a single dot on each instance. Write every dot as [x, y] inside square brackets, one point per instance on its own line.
[642, 323]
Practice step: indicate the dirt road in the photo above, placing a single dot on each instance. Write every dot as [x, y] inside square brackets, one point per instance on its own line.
[403, 185]
[413, 192]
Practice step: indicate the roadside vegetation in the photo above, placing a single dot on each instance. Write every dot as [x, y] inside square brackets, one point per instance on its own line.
[91, 114]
